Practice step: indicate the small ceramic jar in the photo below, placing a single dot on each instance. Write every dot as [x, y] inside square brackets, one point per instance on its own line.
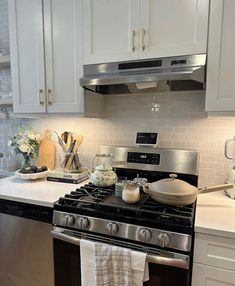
[131, 193]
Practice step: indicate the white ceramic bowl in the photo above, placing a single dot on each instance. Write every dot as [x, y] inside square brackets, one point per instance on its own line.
[33, 176]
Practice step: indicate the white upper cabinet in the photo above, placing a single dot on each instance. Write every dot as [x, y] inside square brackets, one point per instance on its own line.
[173, 28]
[220, 95]
[111, 30]
[139, 29]
[46, 55]
[27, 54]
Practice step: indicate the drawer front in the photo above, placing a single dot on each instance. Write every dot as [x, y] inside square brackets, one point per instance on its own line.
[215, 251]
[211, 276]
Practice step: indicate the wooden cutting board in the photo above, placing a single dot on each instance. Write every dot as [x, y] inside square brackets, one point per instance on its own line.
[47, 151]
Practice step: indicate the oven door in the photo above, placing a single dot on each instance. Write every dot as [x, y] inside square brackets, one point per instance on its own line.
[165, 268]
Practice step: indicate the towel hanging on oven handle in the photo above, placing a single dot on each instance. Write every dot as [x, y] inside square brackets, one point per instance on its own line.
[183, 262]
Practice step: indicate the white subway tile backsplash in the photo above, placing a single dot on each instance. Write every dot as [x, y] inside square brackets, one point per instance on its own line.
[176, 130]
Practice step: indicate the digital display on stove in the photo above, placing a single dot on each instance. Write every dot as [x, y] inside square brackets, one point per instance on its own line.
[146, 138]
[143, 158]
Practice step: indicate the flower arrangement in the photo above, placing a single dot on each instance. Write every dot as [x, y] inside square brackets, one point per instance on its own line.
[25, 142]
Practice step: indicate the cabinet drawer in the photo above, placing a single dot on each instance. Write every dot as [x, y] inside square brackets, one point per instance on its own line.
[211, 276]
[215, 251]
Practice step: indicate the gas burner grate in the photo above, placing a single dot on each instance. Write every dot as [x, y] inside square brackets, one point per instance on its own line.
[87, 195]
[151, 205]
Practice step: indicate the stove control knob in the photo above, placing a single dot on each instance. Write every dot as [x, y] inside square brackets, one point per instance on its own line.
[112, 228]
[69, 220]
[164, 239]
[144, 235]
[83, 223]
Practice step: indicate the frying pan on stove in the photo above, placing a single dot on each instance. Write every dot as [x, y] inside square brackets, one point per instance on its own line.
[172, 191]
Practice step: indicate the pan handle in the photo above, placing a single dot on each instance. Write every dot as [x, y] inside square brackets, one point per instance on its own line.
[215, 188]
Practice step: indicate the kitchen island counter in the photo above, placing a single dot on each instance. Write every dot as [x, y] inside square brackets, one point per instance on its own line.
[37, 192]
[215, 214]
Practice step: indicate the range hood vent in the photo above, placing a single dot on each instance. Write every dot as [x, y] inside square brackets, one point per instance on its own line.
[181, 73]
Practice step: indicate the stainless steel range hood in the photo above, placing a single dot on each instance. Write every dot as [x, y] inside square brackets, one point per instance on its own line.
[181, 73]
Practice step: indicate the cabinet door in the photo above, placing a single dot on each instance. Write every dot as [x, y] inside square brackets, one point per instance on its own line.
[204, 275]
[170, 28]
[63, 48]
[214, 250]
[108, 30]
[220, 94]
[27, 55]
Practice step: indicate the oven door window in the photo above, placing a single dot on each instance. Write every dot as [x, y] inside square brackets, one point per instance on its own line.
[67, 268]
[66, 263]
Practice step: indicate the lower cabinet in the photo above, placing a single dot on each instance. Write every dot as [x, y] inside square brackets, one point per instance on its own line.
[214, 261]
[204, 275]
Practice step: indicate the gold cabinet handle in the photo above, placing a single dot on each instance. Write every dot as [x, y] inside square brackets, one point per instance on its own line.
[41, 96]
[133, 40]
[143, 43]
[49, 96]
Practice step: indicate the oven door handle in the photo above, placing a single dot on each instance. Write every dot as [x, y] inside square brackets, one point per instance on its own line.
[155, 259]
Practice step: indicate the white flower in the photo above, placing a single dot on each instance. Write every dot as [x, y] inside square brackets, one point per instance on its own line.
[25, 141]
[31, 135]
[24, 148]
[37, 138]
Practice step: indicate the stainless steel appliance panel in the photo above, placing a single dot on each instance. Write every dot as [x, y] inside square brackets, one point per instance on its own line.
[26, 252]
[171, 160]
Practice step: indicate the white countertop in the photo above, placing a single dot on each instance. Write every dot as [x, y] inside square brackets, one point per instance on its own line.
[215, 214]
[38, 192]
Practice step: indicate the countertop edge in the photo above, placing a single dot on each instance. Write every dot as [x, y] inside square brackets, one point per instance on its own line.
[27, 201]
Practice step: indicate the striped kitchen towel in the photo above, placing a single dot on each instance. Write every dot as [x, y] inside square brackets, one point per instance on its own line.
[112, 265]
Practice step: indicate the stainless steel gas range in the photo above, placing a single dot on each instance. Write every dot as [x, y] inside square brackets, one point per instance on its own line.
[164, 232]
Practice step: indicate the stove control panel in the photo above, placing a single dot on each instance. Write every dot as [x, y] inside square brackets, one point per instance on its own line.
[136, 233]
[143, 158]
